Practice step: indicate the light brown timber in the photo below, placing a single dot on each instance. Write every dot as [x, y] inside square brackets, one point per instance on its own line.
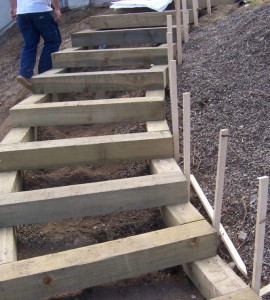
[243, 294]
[11, 182]
[89, 112]
[133, 20]
[110, 57]
[62, 272]
[91, 199]
[88, 150]
[116, 37]
[152, 79]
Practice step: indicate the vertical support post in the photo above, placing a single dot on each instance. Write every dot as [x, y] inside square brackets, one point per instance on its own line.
[208, 2]
[186, 134]
[174, 108]
[223, 141]
[185, 20]
[179, 32]
[260, 232]
[169, 36]
[195, 12]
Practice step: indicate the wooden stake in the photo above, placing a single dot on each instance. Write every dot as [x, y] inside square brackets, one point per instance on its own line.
[169, 23]
[186, 133]
[170, 46]
[223, 140]
[179, 32]
[174, 108]
[195, 12]
[260, 232]
[185, 20]
[208, 2]
[265, 290]
[223, 234]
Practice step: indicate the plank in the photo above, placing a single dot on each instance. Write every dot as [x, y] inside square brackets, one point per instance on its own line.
[91, 199]
[89, 112]
[116, 37]
[110, 57]
[221, 165]
[242, 294]
[213, 277]
[265, 290]
[88, 150]
[260, 233]
[223, 234]
[133, 20]
[152, 79]
[157, 125]
[66, 271]
[11, 182]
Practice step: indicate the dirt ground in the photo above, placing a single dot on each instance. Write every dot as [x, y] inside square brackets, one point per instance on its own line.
[228, 90]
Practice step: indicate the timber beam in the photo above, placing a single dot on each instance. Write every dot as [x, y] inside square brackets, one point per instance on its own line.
[152, 79]
[91, 199]
[116, 37]
[87, 150]
[62, 272]
[134, 20]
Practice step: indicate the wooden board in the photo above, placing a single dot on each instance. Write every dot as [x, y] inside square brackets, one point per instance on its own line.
[11, 182]
[152, 79]
[133, 20]
[62, 272]
[91, 199]
[88, 112]
[116, 37]
[243, 294]
[110, 57]
[89, 150]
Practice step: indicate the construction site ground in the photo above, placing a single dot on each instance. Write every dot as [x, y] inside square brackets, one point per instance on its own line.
[226, 69]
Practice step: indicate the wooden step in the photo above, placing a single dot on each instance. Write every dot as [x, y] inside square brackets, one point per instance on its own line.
[111, 57]
[88, 150]
[88, 112]
[116, 37]
[134, 20]
[243, 294]
[148, 79]
[71, 270]
[91, 199]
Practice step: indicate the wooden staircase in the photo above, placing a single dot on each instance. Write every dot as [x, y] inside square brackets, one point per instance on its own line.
[189, 239]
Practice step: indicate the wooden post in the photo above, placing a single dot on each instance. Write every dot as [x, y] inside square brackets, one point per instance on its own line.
[260, 232]
[186, 133]
[185, 20]
[208, 2]
[174, 108]
[169, 38]
[195, 12]
[179, 32]
[223, 140]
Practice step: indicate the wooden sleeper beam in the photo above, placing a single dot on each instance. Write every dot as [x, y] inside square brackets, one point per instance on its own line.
[152, 79]
[58, 273]
[88, 112]
[88, 150]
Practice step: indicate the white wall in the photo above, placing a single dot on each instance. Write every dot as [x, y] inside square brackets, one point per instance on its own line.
[4, 14]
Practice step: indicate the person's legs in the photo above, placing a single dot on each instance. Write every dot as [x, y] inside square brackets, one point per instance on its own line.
[29, 51]
[49, 31]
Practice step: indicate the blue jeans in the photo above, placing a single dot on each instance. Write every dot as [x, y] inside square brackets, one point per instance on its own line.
[32, 26]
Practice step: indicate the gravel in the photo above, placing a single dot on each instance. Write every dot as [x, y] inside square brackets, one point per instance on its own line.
[227, 70]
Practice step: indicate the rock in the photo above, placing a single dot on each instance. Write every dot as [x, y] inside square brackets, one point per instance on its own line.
[242, 236]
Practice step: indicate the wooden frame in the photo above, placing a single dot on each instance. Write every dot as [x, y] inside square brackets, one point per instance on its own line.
[133, 20]
[149, 79]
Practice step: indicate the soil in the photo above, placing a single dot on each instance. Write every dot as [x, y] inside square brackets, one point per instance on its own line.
[226, 69]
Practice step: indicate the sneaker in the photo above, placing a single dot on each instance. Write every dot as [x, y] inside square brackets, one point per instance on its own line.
[25, 82]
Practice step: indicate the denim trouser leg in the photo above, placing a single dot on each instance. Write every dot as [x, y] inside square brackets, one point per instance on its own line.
[32, 26]
[29, 51]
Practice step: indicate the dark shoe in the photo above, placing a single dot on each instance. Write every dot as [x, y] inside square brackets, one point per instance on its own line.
[25, 82]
